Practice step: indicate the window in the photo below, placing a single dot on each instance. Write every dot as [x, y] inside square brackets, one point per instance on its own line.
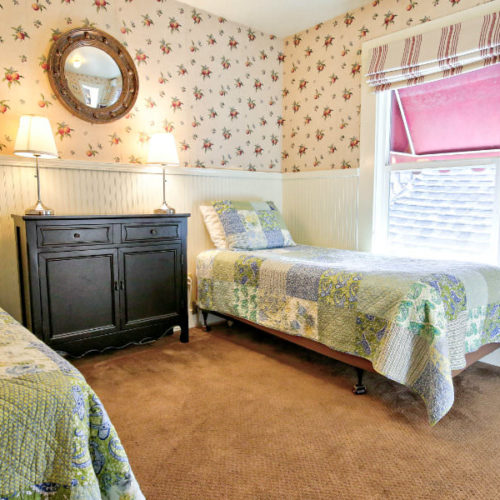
[438, 194]
[91, 95]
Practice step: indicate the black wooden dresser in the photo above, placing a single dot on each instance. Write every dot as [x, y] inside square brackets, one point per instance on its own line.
[91, 282]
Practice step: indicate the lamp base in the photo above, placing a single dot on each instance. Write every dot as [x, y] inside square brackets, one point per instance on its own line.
[39, 209]
[165, 209]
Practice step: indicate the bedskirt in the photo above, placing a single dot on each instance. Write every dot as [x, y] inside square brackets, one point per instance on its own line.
[414, 320]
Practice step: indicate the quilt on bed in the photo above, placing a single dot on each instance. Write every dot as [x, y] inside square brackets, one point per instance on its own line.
[56, 440]
[413, 319]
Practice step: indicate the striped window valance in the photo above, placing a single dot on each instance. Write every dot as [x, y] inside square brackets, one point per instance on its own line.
[436, 54]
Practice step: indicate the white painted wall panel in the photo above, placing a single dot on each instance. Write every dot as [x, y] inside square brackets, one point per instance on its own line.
[78, 191]
[321, 208]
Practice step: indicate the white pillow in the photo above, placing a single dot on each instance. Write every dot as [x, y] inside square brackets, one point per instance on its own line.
[214, 226]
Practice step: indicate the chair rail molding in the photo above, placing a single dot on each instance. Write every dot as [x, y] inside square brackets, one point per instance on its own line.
[7, 161]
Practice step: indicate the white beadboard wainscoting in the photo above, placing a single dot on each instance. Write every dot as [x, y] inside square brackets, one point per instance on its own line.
[92, 188]
[321, 208]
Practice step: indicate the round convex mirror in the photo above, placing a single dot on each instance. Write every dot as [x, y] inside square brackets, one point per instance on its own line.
[93, 75]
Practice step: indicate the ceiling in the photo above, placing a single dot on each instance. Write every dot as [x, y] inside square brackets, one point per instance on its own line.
[279, 17]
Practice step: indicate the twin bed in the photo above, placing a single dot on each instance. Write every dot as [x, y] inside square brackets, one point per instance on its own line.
[56, 440]
[417, 322]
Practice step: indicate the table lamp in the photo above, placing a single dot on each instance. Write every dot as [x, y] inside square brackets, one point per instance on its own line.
[35, 140]
[162, 151]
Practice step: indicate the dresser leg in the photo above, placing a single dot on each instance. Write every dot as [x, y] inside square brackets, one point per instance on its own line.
[184, 333]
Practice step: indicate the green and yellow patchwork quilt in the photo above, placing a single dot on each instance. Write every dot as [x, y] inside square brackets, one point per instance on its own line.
[56, 439]
[415, 320]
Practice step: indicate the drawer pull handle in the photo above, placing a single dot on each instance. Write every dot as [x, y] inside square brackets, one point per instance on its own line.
[116, 285]
[76, 235]
[153, 231]
[122, 285]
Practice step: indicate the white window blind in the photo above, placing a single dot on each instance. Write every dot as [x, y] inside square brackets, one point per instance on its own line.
[444, 213]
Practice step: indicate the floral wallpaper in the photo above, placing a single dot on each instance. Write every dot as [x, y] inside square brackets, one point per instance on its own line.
[233, 97]
[213, 83]
[322, 80]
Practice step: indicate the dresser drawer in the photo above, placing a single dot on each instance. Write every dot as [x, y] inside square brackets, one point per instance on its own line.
[150, 232]
[49, 236]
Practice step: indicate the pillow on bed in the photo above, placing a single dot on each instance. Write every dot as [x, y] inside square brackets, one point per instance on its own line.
[249, 225]
[214, 226]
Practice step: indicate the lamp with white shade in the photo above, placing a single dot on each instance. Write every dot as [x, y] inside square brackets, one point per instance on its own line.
[162, 151]
[35, 140]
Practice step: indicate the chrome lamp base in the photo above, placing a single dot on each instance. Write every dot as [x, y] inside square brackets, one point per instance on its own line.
[39, 209]
[165, 209]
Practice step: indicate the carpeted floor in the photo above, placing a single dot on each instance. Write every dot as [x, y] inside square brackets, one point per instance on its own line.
[239, 414]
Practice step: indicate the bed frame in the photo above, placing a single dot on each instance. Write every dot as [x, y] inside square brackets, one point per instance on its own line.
[360, 364]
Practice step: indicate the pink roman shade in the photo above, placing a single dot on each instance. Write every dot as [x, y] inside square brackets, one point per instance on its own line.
[436, 54]
[452, 115]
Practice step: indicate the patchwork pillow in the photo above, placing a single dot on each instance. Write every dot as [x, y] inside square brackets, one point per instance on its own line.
[252, 225]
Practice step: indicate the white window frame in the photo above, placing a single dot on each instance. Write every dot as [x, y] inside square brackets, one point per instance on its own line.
[382, 175]
[95, 94]
[375, 129]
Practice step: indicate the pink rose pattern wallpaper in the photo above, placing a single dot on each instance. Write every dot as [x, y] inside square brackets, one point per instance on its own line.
[228, 93]
[213, 83]
[322, 80]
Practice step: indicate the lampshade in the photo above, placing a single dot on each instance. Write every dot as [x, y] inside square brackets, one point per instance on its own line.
[35, 138]
[162, 149]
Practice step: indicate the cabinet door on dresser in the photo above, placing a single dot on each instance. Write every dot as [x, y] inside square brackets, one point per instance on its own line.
[150, 283]
[79, 294]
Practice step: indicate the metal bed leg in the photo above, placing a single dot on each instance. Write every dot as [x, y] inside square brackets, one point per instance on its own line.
[205, 326]
[359, 388]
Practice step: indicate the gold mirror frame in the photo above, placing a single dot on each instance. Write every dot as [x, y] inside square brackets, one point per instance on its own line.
[91, 37]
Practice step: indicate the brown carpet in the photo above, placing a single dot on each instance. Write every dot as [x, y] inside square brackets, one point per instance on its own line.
[239, 414]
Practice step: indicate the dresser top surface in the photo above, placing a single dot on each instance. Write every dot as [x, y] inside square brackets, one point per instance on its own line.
[107, 217]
